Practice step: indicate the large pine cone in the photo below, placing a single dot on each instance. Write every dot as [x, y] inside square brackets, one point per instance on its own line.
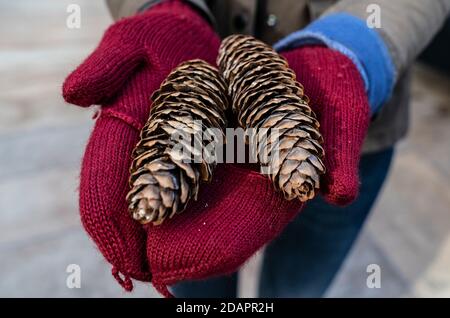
[266, 96]
[190, 102]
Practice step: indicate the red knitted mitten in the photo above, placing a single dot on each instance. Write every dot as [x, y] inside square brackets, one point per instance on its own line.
[220, 232]
[131, 61]
[233, 218]
[337, 95]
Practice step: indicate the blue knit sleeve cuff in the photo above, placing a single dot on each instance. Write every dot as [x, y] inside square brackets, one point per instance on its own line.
[363, 45]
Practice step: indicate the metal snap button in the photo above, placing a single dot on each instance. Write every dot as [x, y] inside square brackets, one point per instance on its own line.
[272, 20]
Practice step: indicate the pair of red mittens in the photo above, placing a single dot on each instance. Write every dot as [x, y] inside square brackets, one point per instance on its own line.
[239, 211]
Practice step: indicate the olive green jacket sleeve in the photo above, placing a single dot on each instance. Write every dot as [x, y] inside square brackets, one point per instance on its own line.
[407, 26]
[123, 8]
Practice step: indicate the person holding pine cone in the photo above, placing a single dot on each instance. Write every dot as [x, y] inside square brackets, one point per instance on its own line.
[356, 79]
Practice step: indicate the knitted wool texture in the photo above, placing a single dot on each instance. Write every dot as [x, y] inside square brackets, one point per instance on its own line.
[239, 211]
[235, 215]
[131, 61]
[336, 92]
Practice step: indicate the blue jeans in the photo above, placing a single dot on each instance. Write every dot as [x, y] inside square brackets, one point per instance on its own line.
[304, 259]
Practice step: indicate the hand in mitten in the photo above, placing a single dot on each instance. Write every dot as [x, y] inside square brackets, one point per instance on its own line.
[348, 78]
[131, 61]
[337, 96]
[240, 211]
[234, 216]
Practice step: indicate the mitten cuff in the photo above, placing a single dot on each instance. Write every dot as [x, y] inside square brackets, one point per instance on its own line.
[364, 46]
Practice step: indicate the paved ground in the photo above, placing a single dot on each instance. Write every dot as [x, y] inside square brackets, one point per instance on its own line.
[42, 139]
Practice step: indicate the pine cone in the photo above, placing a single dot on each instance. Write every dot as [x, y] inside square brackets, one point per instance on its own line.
[265, 95]
[190, 101]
